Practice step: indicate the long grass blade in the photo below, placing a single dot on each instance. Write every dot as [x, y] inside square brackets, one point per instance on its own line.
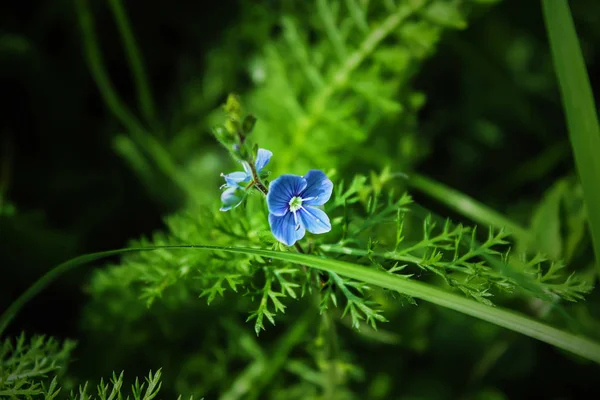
[136, 64]
[467, 206]
[579, 106]
[516, 322]
[96, 65]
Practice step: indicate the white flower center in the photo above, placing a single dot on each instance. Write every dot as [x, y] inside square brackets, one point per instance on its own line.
[295, 203]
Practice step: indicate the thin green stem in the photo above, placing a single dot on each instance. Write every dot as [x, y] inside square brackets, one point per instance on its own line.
[262, 187]
[96, 65]
[573, 343]
[299, 247]
[50, 276]
[335, 37]
[467, 206]
[299, 48]
[135, 129]
[328, 320]
[332, 354]
[256, 179]
[357, 11]
[256, 376]
[490, 357]
[389, 255]
[136, 64]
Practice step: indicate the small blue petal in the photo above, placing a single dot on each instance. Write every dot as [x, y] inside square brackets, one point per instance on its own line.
[318, 188]
[233, 179]
[281, 192]
[314, 220]
[262, 159]
[247, 169]
[231, 198]
[285, 229]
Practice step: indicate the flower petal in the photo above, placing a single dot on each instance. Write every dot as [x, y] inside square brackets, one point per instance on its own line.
[262, 159]
[247, 169]
[233, 179]
[231, 198]
[318, 188]
[281, 191]
[314, 220]
[284, 228]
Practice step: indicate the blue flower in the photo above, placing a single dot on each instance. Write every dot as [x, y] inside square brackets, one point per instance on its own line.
[235, 182]
[231, 198]
[292, 200]
[237, 179]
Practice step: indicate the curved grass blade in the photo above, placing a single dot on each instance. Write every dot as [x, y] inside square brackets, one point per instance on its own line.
[9, 314]
[516, 322]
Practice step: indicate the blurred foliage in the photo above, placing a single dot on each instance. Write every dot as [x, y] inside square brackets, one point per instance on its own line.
[345, 86]
[24, 365]
[355, 63]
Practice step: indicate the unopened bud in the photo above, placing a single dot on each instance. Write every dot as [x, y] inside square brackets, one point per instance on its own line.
[233, 126]
[233, 106]
[248, 124]
[223, 135]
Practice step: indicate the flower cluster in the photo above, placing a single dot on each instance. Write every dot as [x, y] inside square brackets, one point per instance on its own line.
[292, 200]
[237, 183]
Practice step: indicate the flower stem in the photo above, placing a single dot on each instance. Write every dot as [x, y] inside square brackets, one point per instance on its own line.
[330, 333]
[299, 248]
[328, 322]
[261, 187]
[256, 179]
[331, 353]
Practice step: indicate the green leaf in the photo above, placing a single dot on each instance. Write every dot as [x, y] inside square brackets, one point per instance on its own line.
[446, 13]
[545, 223]
[579, 105]
[575, 344]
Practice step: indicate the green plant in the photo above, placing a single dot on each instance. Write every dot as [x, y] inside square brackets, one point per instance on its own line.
[332, 91]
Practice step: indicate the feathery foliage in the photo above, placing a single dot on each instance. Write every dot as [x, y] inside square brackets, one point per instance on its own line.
[114, 389]
[369, 230]
[331, 83]
[27, 365]
[342, 70]
[32, 369]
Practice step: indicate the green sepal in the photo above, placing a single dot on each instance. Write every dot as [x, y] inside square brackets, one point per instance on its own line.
[223, 135]
[248, 124]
